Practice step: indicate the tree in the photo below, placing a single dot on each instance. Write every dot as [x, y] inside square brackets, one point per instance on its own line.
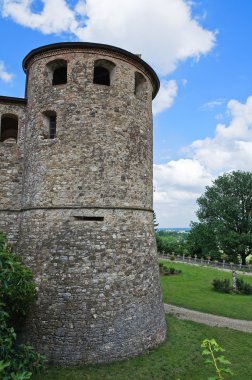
[225, 216]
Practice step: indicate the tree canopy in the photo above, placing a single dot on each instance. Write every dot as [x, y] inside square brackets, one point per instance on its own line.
[225, 217]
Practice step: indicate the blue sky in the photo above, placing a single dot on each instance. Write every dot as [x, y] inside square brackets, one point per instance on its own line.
[202, 53]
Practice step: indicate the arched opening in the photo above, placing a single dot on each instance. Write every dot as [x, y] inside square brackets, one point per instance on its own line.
[50, 124]
[103, 72]
[140, 85]
[9, 128]
[57, 71]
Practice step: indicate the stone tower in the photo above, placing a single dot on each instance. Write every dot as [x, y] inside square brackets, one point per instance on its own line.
[82, 216]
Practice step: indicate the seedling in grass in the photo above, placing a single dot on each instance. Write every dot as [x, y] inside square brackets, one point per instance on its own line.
[210, 348]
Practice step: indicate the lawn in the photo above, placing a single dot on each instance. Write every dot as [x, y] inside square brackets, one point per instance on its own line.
[192, 289]
[178, 358]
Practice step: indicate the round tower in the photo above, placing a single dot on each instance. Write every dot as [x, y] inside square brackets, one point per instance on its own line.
[87, 221]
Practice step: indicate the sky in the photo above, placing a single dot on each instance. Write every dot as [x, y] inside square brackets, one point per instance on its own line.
[201, 51]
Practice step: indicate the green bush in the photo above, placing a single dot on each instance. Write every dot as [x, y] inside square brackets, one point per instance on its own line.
[168, 271]
[17, 294]
[222, 286]
[243, 287]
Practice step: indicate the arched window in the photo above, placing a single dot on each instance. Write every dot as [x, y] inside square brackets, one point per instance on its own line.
[50, 121]
[103, 72]
[57, 71]
[140, 85]
[9, 128]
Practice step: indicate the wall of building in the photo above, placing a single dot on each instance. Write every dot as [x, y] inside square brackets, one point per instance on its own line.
[11, 167]
[99, 294]
[86, 225]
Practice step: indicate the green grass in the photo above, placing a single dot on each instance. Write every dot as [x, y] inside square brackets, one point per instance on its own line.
[178, 358]
[192, 289]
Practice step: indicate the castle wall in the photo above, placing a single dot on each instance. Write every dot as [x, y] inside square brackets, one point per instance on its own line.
[99, 295]
[103, 151]
[86, 229]
[11, 158]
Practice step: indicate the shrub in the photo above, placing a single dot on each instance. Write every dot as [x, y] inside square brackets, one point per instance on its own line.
[243, 287]
[222, 286]
[168, 271]
[17, 294]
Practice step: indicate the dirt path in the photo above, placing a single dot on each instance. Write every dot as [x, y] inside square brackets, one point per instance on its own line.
[209, 319]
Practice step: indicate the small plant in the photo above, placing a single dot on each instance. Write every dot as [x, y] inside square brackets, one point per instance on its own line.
[165, 271]
[210, 349]
[222, 286]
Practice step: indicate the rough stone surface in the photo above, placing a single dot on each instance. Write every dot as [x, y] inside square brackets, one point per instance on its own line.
[98, 281]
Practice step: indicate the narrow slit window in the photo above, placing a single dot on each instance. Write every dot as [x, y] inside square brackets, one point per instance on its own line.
[52, 127]
[103, 72]
[9, 128]
[50, 124]
[89, 218]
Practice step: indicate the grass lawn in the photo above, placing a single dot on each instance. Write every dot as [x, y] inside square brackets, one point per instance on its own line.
[178, 358]
[192, 289]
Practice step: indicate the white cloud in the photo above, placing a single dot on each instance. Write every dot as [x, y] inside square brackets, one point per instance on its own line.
[213, 104]
[56, 16]
[179, 183]
[165, 97]
[4, 75]
[163, 31]
[231, 147]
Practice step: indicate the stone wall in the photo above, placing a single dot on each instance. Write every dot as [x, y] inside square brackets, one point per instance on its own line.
[86, 225]
[98, 284]
[11, 166]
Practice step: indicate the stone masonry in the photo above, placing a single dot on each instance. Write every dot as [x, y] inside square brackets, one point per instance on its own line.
[76, 199]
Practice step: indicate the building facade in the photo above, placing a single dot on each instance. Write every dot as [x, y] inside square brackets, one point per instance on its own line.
[76, 198]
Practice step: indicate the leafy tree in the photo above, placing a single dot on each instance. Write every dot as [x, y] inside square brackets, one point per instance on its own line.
[225, 216]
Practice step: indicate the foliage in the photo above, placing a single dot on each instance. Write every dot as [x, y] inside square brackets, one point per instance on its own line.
[167, 271]
[172, 242]
[210, 349]
[223, 286]
[17, 294]
[202, 242]
[243, 287]
[193, 290]
[225, 217]
[17, 289]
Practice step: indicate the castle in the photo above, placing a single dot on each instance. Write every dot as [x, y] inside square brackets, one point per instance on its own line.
[76, 198]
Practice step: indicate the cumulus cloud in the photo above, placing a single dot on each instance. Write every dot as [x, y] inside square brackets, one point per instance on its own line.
[56, 16]
[231, 147]
[179, 183]
[4, 75]
[165, 97]
[165, 32]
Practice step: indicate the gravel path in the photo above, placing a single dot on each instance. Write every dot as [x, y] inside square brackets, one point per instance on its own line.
[209, 319]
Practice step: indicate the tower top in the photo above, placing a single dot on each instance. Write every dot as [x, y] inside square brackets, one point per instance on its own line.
[95, 46]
